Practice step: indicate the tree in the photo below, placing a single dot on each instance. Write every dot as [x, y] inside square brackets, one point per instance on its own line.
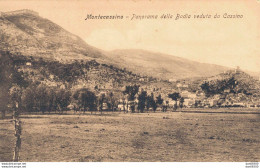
[154, 105]
[181, 102]
[111, 101]
[148, 102]
[62, 99]
[206, 88]
[41, 98]
[52, 103]
[152, 102]
[28, 98]
[174, 96]
[141, 101]
[15, 94]
[101, 100]
[132, 106]
[165, 106]
[86, 99]
[131, 91]
[11, 84]
[6, 70]
[197, 103]
[124, 103]
[219, 86]
[9, 77]
[159, 100]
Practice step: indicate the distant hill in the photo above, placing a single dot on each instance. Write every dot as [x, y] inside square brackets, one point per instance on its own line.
[162, 65]
[234, 81]
[232, 85]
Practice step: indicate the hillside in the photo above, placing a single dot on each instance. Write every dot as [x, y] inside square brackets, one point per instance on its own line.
[162, 65]
[77, 74]
[229, 87]
[234, 81]
[27, 33]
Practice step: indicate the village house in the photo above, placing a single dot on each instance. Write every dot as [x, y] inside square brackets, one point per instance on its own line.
[189, 102]
[28, 64]
[188, 95]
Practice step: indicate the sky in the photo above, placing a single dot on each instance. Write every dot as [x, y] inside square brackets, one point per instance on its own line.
[224, 41]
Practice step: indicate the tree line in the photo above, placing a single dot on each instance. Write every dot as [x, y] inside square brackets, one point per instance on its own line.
[144, 101]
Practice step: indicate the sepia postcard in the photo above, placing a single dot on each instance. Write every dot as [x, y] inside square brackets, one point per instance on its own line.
[129, 81]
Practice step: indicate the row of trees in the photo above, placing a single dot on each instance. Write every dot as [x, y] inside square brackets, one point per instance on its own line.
[146, 101]
[45, 98]
[52, 98]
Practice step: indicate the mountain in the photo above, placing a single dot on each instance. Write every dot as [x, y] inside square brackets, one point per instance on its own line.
[25, 32]
[162, 65]
[47, 54]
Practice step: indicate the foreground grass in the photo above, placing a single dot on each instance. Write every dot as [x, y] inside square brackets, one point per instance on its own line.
[135, 137]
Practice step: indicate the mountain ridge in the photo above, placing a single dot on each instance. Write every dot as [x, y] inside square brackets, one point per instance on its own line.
[36, 36]
[161, 65]
[26, 32]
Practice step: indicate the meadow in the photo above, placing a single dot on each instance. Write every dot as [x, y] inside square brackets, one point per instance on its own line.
[125, 137]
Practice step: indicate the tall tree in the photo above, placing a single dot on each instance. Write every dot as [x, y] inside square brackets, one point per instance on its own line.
[131, 91]
[141, 101]
[181, 102]
[111, 101]
[6, 70]
[101, 101]
[9, 77]
[159, 100]
[11, 84]
[52, 103]
[41, 98]
[174, 96]
[86, 99]
[28, 98]
[62, 99]
[153, 103]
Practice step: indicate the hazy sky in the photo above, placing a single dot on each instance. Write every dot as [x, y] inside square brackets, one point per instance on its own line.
[229, 42]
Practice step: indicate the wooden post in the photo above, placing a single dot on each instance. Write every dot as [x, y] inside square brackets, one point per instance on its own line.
[17, 134]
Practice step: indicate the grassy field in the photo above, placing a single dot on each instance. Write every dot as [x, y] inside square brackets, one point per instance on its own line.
[135, 137]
